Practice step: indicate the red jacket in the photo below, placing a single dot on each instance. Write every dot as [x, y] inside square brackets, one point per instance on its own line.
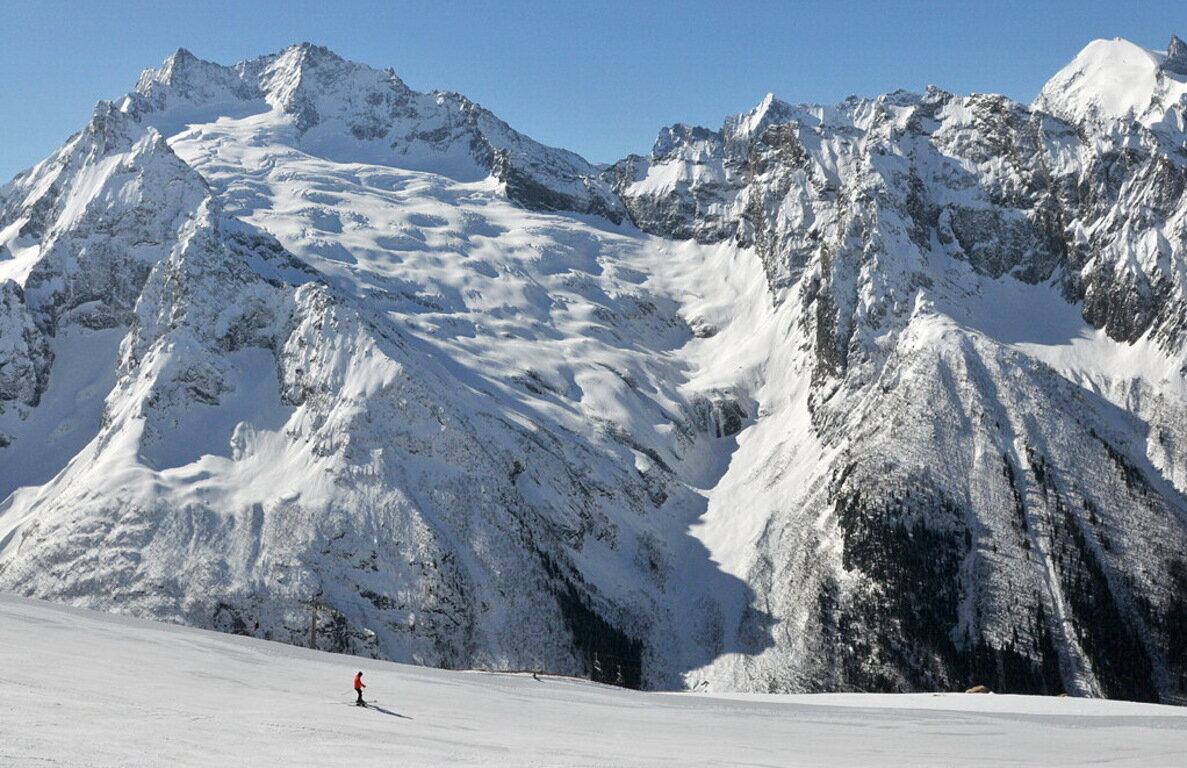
[358, 681]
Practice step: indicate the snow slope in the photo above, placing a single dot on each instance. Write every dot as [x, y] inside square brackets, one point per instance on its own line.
[86, 689]
[1115, 80]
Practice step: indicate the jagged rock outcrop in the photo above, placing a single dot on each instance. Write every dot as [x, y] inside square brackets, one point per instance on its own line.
[24, 356]
[1176, 57]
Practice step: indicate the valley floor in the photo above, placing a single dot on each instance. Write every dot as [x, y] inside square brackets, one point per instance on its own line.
[79, 688]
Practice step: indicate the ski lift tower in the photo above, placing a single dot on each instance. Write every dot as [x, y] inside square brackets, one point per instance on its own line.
[313, 605]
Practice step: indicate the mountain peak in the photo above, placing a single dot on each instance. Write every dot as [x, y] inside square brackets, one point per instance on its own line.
[769, 111]
[351, 111]
[1176, 57]
[109, 130]
[185, 80]
[175, 68]
[1115, 80]
[180, 57]
[309, 54]
[672, 137]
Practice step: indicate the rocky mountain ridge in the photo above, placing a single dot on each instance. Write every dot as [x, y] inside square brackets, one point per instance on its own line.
[346, 109]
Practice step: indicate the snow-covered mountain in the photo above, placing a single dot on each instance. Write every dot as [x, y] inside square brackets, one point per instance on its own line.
[1117, 82]
[888, 395]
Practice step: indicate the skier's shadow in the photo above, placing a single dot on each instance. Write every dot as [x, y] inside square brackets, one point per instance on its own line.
[389, 712]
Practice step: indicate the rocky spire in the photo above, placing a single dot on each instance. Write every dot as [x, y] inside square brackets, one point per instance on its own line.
[1176, 57]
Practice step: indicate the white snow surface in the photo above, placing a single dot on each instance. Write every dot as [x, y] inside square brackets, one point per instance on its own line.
[79, 688]
[1116, 80]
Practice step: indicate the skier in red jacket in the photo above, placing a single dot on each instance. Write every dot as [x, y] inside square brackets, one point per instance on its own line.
[358, 688]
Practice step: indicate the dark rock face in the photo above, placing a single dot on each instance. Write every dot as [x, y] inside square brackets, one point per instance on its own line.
[528, 191]
[1176, 57]
[718, 414]
[25, 357]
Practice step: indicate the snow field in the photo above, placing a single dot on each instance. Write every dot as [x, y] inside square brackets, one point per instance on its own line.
[79, 688]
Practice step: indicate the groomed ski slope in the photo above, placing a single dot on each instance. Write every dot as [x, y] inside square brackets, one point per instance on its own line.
[79, 688]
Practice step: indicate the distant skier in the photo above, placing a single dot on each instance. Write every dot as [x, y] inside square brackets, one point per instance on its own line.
[358, 688]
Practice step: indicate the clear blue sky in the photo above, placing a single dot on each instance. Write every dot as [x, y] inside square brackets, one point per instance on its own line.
[599, 78]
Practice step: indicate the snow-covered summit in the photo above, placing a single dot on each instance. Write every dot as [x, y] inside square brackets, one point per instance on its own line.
[308, 97]
[1115, 80]
[770, 111]
[185, 85]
